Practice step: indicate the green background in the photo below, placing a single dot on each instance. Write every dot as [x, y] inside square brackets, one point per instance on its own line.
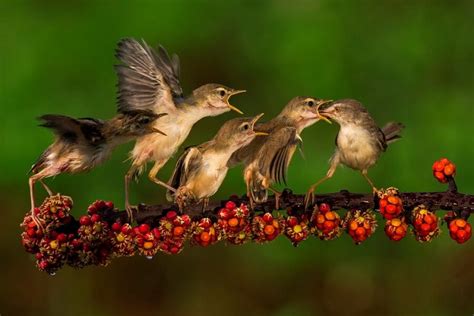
[410, 61]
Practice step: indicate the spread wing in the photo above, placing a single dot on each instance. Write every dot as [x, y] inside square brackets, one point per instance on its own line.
[147, 80]
[185, 167]
[86, 131]
[276, 153]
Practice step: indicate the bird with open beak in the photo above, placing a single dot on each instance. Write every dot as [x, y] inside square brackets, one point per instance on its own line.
[149, 79]
[359, 143]
[201, 170]
[266, 159]
[82, 144]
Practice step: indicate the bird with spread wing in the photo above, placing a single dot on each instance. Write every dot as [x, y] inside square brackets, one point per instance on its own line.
[149, 79]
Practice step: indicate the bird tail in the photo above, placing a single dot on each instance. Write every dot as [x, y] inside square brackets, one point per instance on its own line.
[392, 131]
[257, 190]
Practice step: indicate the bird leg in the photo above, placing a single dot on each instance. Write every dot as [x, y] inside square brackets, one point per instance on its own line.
[152, 176]
[205, 204]
[374, 189]
[50, 192]
[247, 177]
[309, 198]
[35, 219]
[128, 207]
[277, 197]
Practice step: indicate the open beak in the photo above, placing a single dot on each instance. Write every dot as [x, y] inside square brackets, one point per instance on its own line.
[230, 105]
[161, 115]
[155, 130]
[324, 118]
[255, 119]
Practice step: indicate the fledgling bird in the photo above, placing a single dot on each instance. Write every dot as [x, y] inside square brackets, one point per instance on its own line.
[82, 144]
[200, 170]
[150, 80]
[266, 159]
[359, 143]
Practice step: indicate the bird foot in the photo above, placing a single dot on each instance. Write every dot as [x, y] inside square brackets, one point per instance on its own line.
[129, 208]
[37, 221]
[309, 198]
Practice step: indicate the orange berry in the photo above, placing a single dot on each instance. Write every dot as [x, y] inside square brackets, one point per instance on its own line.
[329, 225]
[366, 225]
[425, 227]
[320, 219]
[396, 222]
[438, 166]
[400, 230]
[444, 161]
[330, 216]
[453, 227]
[439, 175]
[449, 170]
[275, 223]
[233, 222]
[353, 225]
[460, 222]
[205, 237]
[428, 219]
[391, 209]
[178, 231]
[461, 234]
[383, 203]
[269, 229]
[360, 231]
[392, 200]
[147, 245]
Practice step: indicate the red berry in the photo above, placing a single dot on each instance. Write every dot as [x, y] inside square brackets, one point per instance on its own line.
[225, 213]
[292, 221]
[109, 205]
[144, 228]
[62, 237]
[85, 220]
[31, 232]
[156, 232]
[267, 217]
[171, 215]
[324, 208]
[178, 231]
[95, 218]
[230, 205]
[116, 227]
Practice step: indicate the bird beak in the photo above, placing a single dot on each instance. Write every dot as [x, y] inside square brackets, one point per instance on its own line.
[255, 119]
[324, 118]
[155, 130]
[234, 92]
[161, 115]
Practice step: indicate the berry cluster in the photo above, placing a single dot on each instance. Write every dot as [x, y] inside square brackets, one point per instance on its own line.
[425, 224]
[360, 224]
[234, 223]
[122, 236]
[174, 231]
[205, 232]
[459, 229]
[327, 222]
[443, 169]
[390, 204]
[297, 227]
[266, 227]
[396, 228]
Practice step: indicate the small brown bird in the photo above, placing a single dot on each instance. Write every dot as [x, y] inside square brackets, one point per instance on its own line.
[200, 170]
[359, 143]
[150, 80]
[266, 159]
[81, 144]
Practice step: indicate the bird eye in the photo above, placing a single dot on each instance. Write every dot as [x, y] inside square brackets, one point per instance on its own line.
[144, 120]
[222, 93]
[245, 127]
[310, 102]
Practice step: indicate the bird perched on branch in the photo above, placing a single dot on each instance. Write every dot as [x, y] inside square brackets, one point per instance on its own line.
[266, 159]
[150, 80]
[359, 143]
[200, 170]
[81, 144]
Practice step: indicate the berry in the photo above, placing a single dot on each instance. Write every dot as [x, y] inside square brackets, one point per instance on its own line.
[85, 220]
[296, 228]
[95, 218]
[144, 228]
[171, 215]
[390, 204]
[460, 230]
[266, 227]
[230, 205]
[204, 232]
[443, 169]
[425, 224]
[324, 208]
[360, 225]
[234, 224]
[116, 227]
[326, 222]
[396, 229]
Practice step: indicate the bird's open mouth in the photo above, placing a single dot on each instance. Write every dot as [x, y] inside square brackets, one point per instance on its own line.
[234, 108]
[257, 133]
[322, 115]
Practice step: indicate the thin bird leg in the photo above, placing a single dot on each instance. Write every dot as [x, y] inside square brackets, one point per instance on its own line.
[205, 204]
[374, 189]
[153, 178]
[35, 219]
[309, 198]
[128, 177]
[277, 197]
[50, 192]
[247, 177]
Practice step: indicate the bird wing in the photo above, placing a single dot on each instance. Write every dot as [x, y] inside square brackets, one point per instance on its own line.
[87, 131]
[147, 80]
[185, 166]
[276, 153]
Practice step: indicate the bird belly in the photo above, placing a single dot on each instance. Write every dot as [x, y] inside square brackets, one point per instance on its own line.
[357, 149]
[207, 181]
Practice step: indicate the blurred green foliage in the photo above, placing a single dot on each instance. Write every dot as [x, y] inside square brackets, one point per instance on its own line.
[410, 61]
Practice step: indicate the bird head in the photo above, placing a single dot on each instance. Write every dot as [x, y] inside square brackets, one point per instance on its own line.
[215, 98]
[303, 111]
[239, 132]
[344, 111]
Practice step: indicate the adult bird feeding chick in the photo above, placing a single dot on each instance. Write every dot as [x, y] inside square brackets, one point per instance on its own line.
[359, 143]
[150, 80]
[200, 170]
[82, 144]
[266, 159]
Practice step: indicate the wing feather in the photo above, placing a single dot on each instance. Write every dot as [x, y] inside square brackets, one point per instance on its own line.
[185, 167]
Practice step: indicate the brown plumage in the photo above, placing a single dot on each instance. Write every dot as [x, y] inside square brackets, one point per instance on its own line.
[81, 144]
[266, 159]
[359, 142]
[150, 80]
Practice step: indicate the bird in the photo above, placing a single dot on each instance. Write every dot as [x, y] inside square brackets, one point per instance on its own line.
[149, 79]
[266, 159]
[83, 143]
[359, 142]
[200, 170]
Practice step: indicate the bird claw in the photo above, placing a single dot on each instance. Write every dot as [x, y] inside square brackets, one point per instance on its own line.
[37, 221]
[129, 208]
[309, 198]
